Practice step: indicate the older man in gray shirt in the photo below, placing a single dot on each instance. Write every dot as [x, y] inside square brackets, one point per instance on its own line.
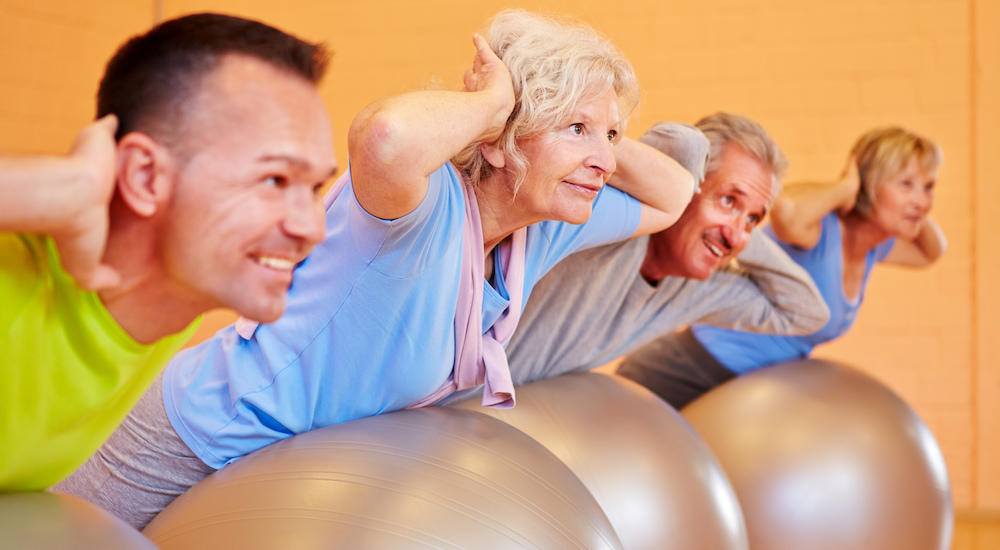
[709, 267]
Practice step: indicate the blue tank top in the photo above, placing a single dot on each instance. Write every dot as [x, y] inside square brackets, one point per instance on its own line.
[742, 352]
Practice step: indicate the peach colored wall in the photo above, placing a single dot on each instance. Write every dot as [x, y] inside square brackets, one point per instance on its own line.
[52, 53]
[986, 263]
[816, 74]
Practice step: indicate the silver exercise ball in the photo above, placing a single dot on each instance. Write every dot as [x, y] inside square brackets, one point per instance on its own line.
[427, 478]
[33, 521]
[825, 457]
[655, 478]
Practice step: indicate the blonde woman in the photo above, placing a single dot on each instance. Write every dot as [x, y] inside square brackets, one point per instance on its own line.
[454, 204]
[878, 211]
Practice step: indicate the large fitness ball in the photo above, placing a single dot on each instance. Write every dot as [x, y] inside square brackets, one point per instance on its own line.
[825, 457]
[655, 478]
[428, 478]
[32, 521]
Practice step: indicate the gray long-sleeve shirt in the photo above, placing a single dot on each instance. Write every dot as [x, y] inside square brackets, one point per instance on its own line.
[594, 306]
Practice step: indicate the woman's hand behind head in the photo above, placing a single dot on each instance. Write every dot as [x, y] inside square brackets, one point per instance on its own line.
[489, 75]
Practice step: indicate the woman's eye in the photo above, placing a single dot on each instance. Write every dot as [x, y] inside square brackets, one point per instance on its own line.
[753, 220]
[576, 128]
[275, 181]
[728, 200]
[612, 134]
[907, 183]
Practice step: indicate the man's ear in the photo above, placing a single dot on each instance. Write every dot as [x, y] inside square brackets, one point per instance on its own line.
[144, 173]
[492, 154]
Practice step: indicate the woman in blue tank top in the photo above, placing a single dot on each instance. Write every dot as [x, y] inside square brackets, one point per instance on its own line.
[876, 211]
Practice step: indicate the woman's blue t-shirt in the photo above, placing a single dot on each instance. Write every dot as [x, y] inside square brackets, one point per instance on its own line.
[369, 326]
[742, 352]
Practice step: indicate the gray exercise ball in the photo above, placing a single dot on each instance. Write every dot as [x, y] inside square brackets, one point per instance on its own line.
[824, 457]
[33, 521]
[427, 478]
[655, 478]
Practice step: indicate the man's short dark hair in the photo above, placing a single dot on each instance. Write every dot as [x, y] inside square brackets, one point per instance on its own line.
[151, 77]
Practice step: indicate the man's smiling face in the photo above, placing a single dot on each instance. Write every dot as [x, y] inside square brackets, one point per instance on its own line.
[716, 226]
[246, 206]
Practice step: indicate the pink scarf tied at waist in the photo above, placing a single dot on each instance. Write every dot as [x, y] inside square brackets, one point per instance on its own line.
[479, 358]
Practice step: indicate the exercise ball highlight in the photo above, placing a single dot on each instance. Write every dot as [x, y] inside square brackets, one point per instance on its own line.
[54, 521]
[657, 481]
[824, 457]
[426, 478]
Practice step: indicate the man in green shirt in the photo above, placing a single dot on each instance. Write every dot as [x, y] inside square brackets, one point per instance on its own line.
[197, 189]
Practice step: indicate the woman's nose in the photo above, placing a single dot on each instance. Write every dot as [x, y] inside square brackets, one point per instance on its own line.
[603, 157]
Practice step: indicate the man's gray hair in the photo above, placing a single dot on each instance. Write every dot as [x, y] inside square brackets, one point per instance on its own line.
[722, 129]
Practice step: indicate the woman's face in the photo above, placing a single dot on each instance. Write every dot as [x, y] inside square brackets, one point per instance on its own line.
[904, 199]
[569, 164]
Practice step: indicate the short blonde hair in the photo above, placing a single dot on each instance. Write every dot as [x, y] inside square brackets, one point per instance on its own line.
[556, 66]
[721, 129]
[884, 152]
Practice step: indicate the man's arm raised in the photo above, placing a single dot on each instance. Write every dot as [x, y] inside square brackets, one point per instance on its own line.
[66, 198]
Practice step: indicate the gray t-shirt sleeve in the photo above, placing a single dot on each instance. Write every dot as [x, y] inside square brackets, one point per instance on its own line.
[765, 291]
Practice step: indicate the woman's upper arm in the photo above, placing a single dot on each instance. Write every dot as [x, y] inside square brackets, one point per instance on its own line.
[385, 184]
[803, 234]
[653, 220]
[797, 214]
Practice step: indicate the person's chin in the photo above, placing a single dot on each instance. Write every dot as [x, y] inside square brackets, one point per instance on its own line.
[576, 216]
[701, 267]
[908, 230]
[268, 313]
[702, 274]
[699, 271]
[264, 304]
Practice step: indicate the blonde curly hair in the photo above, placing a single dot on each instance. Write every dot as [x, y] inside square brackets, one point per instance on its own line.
[556, 66]
[882, 153]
